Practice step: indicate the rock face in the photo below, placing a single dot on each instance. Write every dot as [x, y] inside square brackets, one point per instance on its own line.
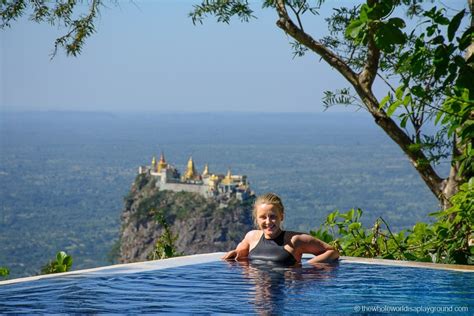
[201, 225]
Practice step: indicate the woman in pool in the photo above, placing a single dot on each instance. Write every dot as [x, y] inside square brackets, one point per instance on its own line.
[271, 243]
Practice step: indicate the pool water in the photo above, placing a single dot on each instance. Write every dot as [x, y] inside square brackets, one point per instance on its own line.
[243, 288]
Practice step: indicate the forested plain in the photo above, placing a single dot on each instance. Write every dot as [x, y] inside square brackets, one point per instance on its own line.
[63, 175]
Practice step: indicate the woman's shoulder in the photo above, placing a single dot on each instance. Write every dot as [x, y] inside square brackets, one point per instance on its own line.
[253, 234]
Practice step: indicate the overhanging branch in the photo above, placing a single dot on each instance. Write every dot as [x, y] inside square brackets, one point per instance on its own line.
[363, 84]
[369, 72]
[286, 24]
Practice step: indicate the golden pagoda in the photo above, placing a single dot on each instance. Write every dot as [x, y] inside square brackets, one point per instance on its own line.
[205, 173]
[228, 178]
[162, 163]
[190, 173]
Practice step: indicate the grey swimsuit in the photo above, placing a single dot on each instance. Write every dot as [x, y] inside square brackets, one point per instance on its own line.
[272, 250]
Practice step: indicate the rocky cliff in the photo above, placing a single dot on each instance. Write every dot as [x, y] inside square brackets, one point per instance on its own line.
[201, 225]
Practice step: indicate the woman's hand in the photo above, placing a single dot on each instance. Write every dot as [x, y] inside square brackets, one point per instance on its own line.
[241, 252]
[236, 255]
[231, 255]
[323, 253]
[328, 256]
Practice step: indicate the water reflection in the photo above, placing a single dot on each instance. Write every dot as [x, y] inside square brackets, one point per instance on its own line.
[276, 286]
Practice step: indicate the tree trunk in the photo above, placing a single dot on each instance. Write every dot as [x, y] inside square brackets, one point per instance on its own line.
[452, 183]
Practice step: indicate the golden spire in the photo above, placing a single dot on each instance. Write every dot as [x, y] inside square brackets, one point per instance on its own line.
[191, 170]
[228, 177]
[153, 163]
[162, 163]
[205, 173]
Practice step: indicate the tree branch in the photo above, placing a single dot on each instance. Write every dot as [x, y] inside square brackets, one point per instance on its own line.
[286, 24]
[386, 82]
[297, 14]
[363, 89]
[416, 157]
[369, 72]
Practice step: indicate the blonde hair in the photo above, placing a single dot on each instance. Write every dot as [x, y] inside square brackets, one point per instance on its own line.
[267, 198]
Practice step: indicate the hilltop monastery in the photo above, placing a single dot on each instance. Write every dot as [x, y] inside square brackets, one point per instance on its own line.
[208, 184]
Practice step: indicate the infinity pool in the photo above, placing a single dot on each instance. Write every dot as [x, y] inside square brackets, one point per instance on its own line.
[243, 288]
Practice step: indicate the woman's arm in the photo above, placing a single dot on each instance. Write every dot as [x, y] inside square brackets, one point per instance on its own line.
[323, 253]
[242, 249]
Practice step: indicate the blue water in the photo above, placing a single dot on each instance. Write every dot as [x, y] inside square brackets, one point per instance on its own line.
[243, 288]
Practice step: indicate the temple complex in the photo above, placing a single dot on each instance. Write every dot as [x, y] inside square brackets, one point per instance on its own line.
[206, 183]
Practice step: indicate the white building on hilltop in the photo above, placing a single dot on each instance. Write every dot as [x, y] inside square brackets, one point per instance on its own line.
[208, 184]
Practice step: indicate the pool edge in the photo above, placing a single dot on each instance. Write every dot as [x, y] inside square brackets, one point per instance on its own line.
[210, 257]
[133, 267]
[410, 264]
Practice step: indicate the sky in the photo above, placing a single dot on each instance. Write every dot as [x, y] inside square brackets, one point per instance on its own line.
[148, 56]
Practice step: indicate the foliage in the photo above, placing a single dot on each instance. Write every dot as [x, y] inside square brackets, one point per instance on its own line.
[448, 240]
[418, 57]
[223, 10]
[426, 60]
[4, 272]
[62, 263]
[164, 246]
[72, 14]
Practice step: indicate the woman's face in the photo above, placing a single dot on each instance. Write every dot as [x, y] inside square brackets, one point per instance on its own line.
[269, 220]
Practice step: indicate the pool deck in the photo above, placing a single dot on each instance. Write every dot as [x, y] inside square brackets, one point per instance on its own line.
[210, 257]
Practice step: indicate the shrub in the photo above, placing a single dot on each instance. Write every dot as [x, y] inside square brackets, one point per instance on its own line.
[62, 263]
[448, 240]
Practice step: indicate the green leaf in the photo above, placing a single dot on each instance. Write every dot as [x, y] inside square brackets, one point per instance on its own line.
[354, 226]
[60, 256]
[466, 38]
[4, 271]
[350, 214]
[398, 22]
[384, 100]
[331, 217]
[418, 91]
[364, 13]
[399, 92]
[437, 40]
[387, 36]
[454, 24]
[68, 261]
[403, 122]
[381, 10]
[410, 256]
[407, 99]
[391, 109]
[355, 28]
[468, 130]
